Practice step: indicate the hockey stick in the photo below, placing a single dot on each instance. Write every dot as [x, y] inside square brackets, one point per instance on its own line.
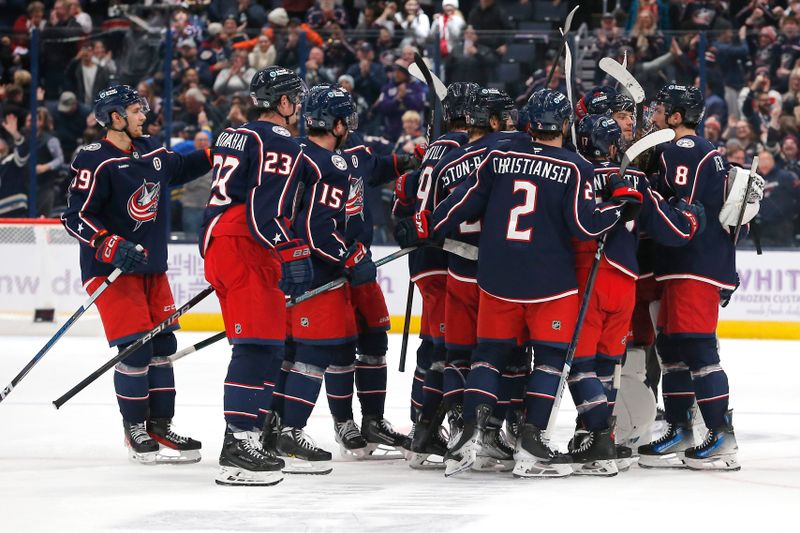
[564, 33]
[406, 327]
[747, 190]
[568, 75]
[133, 347]
[629, 83]
[438, 86]
[643, 144]
[310, 294]
[60, 333]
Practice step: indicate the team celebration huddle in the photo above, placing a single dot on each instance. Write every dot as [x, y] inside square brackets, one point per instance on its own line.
[583, 245]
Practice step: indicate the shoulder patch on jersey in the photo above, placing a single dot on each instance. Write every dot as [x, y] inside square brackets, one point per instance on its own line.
[339, 162]
[685, 143]
[354, 159]
[280, 130]
[91, 147]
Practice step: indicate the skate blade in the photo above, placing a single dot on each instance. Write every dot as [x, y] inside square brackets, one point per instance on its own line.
[425, 461]
[492, 464]
[239, 477]
[623, 465]
[670, 460]
[301, 466]
[170, 456]
[596, 468]
[148, 458]
[722, 462]
[538, 469]
[383, 452]
[356, 454]
[453, 467]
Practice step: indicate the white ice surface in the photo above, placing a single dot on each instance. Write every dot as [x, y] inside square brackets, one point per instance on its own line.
[67, 470]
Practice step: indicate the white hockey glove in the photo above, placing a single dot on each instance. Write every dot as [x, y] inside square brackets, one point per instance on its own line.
[737, 186]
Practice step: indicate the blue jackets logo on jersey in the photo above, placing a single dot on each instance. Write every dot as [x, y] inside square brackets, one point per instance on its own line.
[355, 200]
[143, 203]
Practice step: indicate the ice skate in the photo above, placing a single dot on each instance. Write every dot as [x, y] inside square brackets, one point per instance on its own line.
[173, 448]
[383, 442]
[463, 454]
[351, 444]
[142, 448]
[668, 451]
[625, 458]
[495, 454]
[718, 450]
[455, 422]
[407, 452]
[243, 461]
[593, 453]
[514, 421]
[300, 453]
[428, 446]
[534, 458]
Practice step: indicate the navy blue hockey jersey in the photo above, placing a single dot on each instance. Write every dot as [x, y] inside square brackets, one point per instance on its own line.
[126, 193]
[322, 216]
[691, 168]
[259, 165]
[532, 198]
[429, 259]
[450, 172]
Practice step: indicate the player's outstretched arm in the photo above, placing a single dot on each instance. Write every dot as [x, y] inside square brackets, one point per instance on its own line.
[186, 168]
[670, 224]
[586, 218]
[465, 202]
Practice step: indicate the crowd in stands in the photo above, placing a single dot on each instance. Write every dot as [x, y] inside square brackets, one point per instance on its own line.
[749, 50]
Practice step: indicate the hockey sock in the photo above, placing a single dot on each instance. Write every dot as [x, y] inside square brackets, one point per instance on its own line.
[271, 377]
[280, 382]
[709, 379]
[424, 355]
[588, 394]
[517, 373]
[161, 377]
[483, 382]
[432, 387]
[540, 392]
[244, 384]
[132, 385]
[371, 378]
[339, 387]
[456, 371]
[604, 367]
[676, 385]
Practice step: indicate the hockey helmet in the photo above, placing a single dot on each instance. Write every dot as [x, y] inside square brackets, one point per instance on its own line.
[596, 135]
[117, 98]
[683, 99]
[548, 110]
[595, 102]
[327, 104]
[622, 102]
[455, 102]
[269, 84]
[486, 103]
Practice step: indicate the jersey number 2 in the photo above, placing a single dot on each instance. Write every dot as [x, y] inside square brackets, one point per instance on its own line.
[223, 170]
[527, 207]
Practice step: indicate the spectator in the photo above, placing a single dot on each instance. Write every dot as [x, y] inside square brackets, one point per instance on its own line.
[85, 77]
[83, 19]
[235, 78]
[646, 39]
[762, 57]
[487, 16]
[339, 52]
[735, 153]
[402, 93]
[362, 107]
[779, 207]
[57, 47]
[609, 39]
[415, 23]
[196, 112]
[449, 26]
[213, 54]
[234, 32]
[412, 133]
[296, 8]
[104, 58]
[732, 54]
[263, 55]
[251, 16]
[325, 13]
[368, 76]
[186, 58]
[49, 159]
[758, 104]
[712, 130]
[747, 140]
[471, 61]
[316, 71]
[786, 52]
[387, 17]
[25, 23]
[651, 74]
[69, 122]
[789, 156]
[13, 170]
[701, 14]
[145, 90]
[196, 192]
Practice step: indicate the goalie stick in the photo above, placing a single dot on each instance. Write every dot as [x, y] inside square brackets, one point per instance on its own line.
[62, 331]
[642, 145]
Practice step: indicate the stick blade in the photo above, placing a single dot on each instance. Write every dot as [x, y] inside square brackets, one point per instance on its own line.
[644, 144]
[438, 86]
[624, 77]
[568, 20]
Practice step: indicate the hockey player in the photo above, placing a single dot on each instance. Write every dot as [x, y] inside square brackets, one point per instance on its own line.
[252, 258]
[376, 437]
[604, 100]
[605, 328]
[487, 112]
[115, 209]
[540, 194]
[323, 329]
[692, 277]
[428, 269]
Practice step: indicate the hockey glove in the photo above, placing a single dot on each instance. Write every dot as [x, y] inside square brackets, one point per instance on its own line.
[296, 270]
[413, 231]
[623, 191]
[725, 295]
[123, 254]
[405, 162]
[419, 151]
[358, 265]
[405, 189]
[696, 214]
